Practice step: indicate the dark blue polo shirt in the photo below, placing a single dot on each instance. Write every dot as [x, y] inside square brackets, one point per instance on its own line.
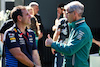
[13, 38]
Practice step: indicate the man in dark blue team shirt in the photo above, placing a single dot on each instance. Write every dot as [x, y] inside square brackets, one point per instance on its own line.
[19, 42]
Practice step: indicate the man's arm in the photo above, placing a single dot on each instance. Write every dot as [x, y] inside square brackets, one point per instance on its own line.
[79, 40]
[96, 42]
[40, 34]
[55, 37]
[2, 35]
[17, 53]
[36, 58]
[56, 25]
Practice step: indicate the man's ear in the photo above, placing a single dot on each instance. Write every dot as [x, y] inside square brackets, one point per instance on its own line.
[19, 18]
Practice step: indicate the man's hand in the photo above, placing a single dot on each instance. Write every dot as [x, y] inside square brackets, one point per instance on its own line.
[53, 51]
[98, 43]
[48, 41]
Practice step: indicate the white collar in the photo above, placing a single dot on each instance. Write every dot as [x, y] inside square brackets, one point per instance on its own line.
[80, 22]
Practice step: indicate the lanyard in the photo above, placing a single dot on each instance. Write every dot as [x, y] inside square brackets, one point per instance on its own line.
[21, 34]
[25, 36]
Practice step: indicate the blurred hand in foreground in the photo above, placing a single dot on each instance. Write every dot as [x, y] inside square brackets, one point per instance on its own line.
[48, 41]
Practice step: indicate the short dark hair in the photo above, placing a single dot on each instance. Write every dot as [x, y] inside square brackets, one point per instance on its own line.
[17, 11]
[61, 5]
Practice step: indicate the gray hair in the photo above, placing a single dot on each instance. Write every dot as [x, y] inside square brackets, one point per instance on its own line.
[33, 4]
[75, 6]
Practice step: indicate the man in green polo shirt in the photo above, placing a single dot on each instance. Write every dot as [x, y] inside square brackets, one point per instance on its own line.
[78, 47]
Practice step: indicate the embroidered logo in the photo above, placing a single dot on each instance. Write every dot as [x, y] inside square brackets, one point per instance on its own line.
[15, 30]
[11, 34]
[12, 37]
[80, 34]
[19, 35]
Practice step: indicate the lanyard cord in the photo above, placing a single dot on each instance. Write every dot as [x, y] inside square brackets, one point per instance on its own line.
[25, 36]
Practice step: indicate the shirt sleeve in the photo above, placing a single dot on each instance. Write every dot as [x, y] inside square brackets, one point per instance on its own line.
[60, 24]
[6, 26]
[10, 40]
[75, 43]
[2, 30]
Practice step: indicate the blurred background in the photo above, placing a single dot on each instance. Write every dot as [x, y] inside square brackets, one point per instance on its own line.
[48, 13]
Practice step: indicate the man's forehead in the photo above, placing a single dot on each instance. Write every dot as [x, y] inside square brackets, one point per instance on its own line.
[23, 9]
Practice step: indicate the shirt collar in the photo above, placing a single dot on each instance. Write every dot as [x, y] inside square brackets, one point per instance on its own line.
[76, 23]
[16, 29]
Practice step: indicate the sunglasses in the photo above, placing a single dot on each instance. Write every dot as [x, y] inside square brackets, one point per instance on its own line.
[69, 12]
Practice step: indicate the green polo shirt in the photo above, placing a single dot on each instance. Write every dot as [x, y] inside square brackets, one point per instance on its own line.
[79, 44]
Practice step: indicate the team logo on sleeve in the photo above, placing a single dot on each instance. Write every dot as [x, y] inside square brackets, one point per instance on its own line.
[11, 34]
[13, 41]
[12, 37]
[80, 34]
